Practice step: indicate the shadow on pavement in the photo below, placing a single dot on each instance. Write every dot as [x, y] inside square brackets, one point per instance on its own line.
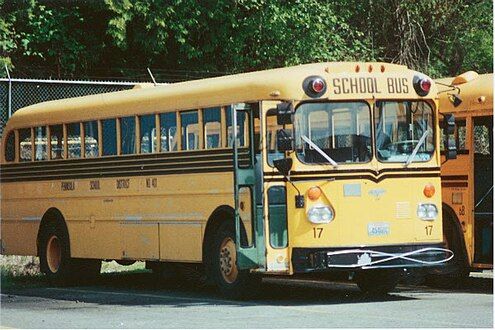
[142, 288]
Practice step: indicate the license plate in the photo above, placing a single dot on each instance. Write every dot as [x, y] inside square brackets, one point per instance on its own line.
[378, 229]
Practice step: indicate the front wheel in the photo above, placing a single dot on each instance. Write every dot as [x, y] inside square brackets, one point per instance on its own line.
[230, 280]
[377, 281]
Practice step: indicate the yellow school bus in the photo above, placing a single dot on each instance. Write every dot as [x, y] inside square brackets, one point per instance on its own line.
[467, 182]
[314, 168]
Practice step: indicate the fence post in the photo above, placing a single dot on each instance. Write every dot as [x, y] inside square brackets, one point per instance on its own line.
[9, 97]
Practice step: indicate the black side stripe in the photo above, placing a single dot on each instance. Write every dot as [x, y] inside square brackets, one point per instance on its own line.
[454, 177]
[355, 177]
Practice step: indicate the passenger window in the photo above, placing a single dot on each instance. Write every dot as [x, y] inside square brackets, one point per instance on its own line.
[91, 139]
[109, 131]
[212, 128]
[57, 142]
[40, 143]
[190, 131]
[482, 139]
[168, 131]
[241, 127]
[10, 147]
[147, 137]
[74, 140]
[128, 135]
[25, 146]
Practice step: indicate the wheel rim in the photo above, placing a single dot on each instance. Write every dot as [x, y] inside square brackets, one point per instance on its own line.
[228, 266]
[53, 254]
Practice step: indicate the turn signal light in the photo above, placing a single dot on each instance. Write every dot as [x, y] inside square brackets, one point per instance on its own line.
[429, 190]
[314, 193]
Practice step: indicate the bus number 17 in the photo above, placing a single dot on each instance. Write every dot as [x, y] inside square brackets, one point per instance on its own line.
[429, 229]
[317, 232]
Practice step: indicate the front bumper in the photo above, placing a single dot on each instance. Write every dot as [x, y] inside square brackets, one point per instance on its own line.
[399, 256]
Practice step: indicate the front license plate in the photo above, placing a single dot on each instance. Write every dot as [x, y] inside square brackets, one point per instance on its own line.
[378, 229]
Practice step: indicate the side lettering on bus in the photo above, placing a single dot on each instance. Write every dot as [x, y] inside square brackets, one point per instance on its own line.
[123, 183]
[94, 185]
[151, 182]
[68, 185]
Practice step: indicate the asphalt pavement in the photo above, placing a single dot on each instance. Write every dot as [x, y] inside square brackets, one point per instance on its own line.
[138, 301]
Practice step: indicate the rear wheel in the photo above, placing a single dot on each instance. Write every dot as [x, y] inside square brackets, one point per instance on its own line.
[230, 280]
[377, 281]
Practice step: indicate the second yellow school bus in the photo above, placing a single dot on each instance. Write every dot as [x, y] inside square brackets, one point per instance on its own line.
[467, 182]
[318, 167]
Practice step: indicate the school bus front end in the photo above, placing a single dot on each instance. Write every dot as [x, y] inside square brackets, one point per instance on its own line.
[360, 169]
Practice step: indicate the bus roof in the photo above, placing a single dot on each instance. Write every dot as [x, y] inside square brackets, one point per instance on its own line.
[476, 92]
[276, 84]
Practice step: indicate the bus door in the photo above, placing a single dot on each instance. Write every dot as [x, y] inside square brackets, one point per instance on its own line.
[483, 189]
[250, 241]
[275, 195]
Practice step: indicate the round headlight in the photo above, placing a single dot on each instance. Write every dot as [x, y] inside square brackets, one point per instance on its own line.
[431, 211]
[427, 211]
[320, 214]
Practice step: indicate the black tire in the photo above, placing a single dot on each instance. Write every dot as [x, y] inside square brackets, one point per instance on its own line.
[377, 282]
[457, 270]
[55, 260]
[233, 284]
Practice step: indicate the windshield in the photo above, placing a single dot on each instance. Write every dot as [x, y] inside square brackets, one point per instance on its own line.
[404, 131]
[338, 131]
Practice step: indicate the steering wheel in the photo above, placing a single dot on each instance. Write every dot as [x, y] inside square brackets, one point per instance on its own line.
[406, 146]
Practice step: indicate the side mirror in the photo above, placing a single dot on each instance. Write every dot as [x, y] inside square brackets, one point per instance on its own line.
[285, 142]
[450, 148]
[284, 113]
[283, 165]
[455, 99]
[449, 123]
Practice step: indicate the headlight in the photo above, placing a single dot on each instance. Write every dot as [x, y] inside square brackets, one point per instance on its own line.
[320, 214]
[427, 211]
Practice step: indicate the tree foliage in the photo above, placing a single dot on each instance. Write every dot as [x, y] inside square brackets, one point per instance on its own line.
[184, 39]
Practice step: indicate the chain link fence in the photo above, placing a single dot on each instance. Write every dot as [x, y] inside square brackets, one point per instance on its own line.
[19, 93]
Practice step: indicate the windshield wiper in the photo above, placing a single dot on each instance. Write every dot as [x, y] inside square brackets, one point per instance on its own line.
[415, 151]
[321, 152]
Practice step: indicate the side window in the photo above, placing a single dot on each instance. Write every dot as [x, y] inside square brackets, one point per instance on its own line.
[109, 135]
[40, 143]
[74, 140]
[212, 128]
[57, 141]
[91, 139]
[482, 137]
[147, 138]
[10, 147]
[190, 130]
[168, 131]
[25, 146]
[128, 135]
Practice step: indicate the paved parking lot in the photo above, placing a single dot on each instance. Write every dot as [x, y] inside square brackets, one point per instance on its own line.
[137, 301]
